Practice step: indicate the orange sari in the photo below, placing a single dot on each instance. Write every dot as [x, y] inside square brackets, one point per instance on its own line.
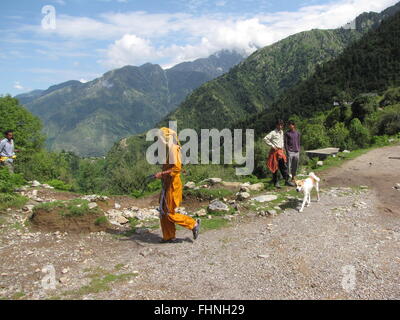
[171, 197]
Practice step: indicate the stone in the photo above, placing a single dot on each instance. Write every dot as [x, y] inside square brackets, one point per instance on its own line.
[218, 206]
[262, 256]
[117, 206]
[320, 163]
[346, 151]
[64, 271]
[46, 186]
[256, 187]
[94, 198]
[265, 198]
[233, 185]
[92, 205]
[241, 196]
[64, 280]
[214, 181]
[190, 185]
[397, 186]
[34, 193]
[121, 220]
[244, 188]
[201, 213]
[272, 212]
[35, 183]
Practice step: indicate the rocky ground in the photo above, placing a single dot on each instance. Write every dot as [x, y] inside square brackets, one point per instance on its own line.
[345, 247]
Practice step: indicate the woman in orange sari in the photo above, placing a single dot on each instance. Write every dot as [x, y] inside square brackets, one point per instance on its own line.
[171, 195]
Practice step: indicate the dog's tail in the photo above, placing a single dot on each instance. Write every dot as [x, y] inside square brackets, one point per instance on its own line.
[313, 175]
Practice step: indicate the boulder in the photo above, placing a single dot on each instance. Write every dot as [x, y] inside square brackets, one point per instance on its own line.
[320, 163]
[265, 198]
[201, 213]
[92, 205]
[218, 206]
[190, 185]
[241, 196]
[121, 220]
[233, 185]
[28, 207]
[397, 186]
[35, 183]
[214, 181]
[253, 187]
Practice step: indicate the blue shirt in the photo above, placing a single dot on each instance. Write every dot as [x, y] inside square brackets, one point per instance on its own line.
[7, 148]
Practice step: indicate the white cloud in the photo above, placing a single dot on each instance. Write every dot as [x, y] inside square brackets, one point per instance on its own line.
[18, 86]
[139, 37]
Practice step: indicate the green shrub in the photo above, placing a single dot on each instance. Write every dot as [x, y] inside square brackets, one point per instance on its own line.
[9, 182]
[389, 121]
[60, 185]
[364, 105]
[359, 135]
[314, 136]
[9, 200]
[339, 136]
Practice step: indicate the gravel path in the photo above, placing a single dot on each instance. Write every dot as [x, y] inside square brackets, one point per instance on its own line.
[345, 247]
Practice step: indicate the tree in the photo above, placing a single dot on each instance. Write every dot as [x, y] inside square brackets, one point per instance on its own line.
[364, 105]
[27, 128]
[359, 135]
[339, 136]
[314, 136]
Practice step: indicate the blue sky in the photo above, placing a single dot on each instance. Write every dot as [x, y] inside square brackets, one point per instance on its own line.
[91, 37]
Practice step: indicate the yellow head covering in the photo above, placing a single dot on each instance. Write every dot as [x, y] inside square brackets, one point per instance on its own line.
[169, 133]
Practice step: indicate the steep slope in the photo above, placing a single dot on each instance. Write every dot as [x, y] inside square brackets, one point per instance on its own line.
[256, 83]
[371, 65]
[87, 118]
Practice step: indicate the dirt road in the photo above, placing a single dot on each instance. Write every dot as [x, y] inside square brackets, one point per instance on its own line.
[345, 247]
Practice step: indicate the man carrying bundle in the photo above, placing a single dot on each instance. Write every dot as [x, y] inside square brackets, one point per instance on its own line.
[7, 151]
[277, 159]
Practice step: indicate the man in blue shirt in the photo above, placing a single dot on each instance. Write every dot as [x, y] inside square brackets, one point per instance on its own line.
[7, 151]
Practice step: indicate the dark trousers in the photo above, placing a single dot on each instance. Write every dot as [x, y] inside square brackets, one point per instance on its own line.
[284, 171]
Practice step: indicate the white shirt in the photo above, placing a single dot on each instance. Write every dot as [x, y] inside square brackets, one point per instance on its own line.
[7, 148]
[275, 139]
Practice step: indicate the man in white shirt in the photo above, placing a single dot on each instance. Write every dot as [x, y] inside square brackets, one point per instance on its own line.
[277, 159]
[7, 151]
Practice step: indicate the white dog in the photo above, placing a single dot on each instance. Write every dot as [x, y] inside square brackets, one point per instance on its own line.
[306, 187]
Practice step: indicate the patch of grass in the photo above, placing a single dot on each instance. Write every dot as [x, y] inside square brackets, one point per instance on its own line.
[100, 282]
[101, 221]
[10, 200]
[17, 226]
[71, 208]
[214, 224]
[209, 194]
[17, 295]
[119, 266]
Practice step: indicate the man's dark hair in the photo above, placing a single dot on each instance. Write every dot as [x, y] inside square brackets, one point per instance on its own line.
[281, 122]
[8, 131]
[291, 123]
